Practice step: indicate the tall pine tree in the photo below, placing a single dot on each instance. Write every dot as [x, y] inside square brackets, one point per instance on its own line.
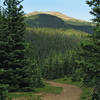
[16, 31]
[17, 69]
[3, 37]
[89, 56]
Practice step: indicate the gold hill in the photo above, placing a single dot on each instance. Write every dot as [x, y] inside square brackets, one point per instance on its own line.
[58, 14]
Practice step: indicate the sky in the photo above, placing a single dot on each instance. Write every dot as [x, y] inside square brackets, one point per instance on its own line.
[73, 8]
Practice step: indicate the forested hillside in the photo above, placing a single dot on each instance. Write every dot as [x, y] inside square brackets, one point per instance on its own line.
[54, 21]
[53, 41]
[52, 48]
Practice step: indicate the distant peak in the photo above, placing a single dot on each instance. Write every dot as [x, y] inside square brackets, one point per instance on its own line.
[54, 13]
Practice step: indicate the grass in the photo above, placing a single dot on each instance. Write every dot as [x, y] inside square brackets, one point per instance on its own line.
[86, 94]
[49, 89]
[31, 95]
[24, 96]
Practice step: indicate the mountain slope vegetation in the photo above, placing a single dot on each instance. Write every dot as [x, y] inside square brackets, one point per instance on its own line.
[53, 48]
[53, 39]
[57, 20]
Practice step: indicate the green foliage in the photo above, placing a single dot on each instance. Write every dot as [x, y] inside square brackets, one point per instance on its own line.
[53, 49]
[3, 92]
[57, 66]
[3, 39]
[95, 9]
[68, 80]
[89, 56]
[34, 69]
[45, 41]
[88, 62]
[31, 95]
[44, 20]
[19, 71]
[14, 59]
[49, 89]
[3, 54]
[50, 21]
[24, 96]
[15, 31]
[53, 67]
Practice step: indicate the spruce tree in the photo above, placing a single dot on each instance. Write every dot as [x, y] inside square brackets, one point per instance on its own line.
[95, 11]
[3, 37]
[17, 69]
[89, 56]
[16, 31]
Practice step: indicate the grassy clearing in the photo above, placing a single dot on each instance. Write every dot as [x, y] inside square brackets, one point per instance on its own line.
[86, 95]
[31, 95]
[49, 89]
[24, 96]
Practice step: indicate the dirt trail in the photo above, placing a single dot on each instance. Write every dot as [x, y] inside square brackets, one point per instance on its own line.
[69, 92]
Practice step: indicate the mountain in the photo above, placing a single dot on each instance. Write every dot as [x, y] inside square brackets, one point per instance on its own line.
[53, 37]
[57, 14]
[57, 20]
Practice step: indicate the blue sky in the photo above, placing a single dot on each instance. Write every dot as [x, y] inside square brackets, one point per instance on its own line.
[73, 8]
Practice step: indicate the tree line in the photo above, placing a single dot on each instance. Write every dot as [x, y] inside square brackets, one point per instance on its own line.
[53, 49]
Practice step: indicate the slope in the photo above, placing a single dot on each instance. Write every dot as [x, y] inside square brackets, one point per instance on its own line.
[50, 41]
[57, 20]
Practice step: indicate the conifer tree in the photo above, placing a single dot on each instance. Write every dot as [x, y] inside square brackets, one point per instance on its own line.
[95, 11]
[89, 56]
[3, 37]
[3, 48]
[16, 31]
[17, 69]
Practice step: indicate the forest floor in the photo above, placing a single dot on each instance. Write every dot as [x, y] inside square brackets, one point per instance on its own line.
[70, 92]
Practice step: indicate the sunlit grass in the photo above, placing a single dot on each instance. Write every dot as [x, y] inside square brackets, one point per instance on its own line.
[49, 89]
[31, 95]
[23, 96]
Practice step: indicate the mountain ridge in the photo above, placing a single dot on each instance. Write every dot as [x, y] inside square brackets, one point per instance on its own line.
[54, 13]
[52, 20]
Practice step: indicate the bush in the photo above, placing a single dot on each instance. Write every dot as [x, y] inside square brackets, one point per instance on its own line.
[3, 91]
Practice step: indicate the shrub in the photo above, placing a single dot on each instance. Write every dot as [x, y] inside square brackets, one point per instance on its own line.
[3, 91]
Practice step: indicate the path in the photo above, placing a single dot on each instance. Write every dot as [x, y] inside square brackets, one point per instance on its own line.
[69, 92]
